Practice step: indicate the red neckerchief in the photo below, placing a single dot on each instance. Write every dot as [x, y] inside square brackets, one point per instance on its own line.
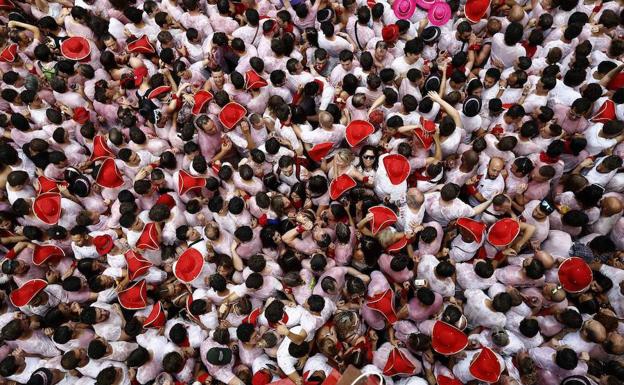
[530, 49]
[320, 84]
[450, 69]
[297, 98]
[298, 204]
[149, 238]
[263, 220]
[239, 8]
[482, 254]
[252, 318]
[566, 147]
[367, 346]
[545, 311]
[499, 256]
[420, 174]
[185, 343]
[548, 159]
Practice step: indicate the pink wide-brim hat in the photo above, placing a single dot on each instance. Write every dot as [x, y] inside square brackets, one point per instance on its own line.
[404, 9]
[439, 13]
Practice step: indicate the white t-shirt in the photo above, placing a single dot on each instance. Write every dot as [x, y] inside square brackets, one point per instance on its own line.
[596, 143]
[478, 314]
[285, 361]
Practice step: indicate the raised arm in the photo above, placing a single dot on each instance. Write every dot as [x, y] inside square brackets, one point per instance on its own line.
[36, 32]
[610, 75]
[442, 90]
[527, 233]
[355, 273]
[450, 110]
[380, 100]
[482, 207]
[361, 226]
[236, 259]
[438, 148]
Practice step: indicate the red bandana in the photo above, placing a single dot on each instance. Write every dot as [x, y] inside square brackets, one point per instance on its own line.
[547, 159]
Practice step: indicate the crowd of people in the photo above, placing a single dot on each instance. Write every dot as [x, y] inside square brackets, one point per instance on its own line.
[212, 192]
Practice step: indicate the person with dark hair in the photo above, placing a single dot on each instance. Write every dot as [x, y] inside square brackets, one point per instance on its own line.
[448, 198]
[334, 43]
[321, 180]
[506, 48]
[481, 309]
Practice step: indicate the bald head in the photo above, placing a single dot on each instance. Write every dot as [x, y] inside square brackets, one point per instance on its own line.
[516, 14]
[614, 343]
[470, 158]
[610, 206]
[326, 119]
[594, 331]
[414, 198]
[495, 167]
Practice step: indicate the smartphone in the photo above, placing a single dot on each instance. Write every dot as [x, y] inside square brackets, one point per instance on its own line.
[420, 283]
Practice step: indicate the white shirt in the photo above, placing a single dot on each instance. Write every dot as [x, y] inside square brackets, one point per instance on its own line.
[285, 361]
[468, 279]
[426, 270]
[110, 329]
[506, 54]
[478, 314]
[444, 213]
[596, 143]
[311, 323]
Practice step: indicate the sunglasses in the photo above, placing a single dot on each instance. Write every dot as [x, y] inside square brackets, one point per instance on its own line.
[369, 157]
[555, 290]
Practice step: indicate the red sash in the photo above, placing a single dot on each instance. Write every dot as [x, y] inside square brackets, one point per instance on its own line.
[482, 254]
[384, 304]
